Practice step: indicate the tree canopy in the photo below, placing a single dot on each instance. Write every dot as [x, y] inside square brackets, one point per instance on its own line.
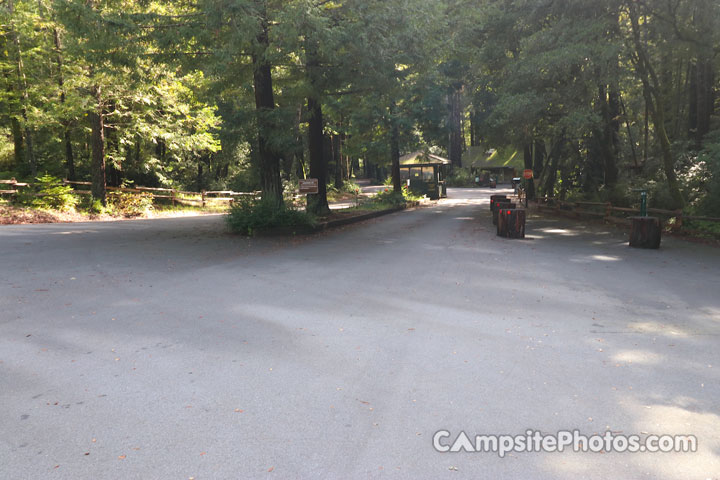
[598, 98]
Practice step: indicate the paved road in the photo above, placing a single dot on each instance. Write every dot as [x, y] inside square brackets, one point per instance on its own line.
[168, 349]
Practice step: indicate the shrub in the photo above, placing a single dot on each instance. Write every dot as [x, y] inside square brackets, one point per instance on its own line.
[50, 194]
[391, 197]
[351, 187]
[348, 187]
[95, 206]
[130, 204]
[706, 179]
[249, 215]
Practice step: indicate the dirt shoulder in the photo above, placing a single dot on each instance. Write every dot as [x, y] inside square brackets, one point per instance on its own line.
[11, 215]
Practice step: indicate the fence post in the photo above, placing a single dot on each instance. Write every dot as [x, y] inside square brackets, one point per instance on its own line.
[13, 186]
[608, 210]
[679, 220]
[202, 197]
[172, 196]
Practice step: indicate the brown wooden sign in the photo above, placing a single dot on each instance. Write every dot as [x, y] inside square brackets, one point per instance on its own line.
[308, 186]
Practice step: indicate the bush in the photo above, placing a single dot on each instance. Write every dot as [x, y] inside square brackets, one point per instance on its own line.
[50, 194]
[704, 184]
[351, 187]
[96, 207]
[391, 197]
[130, 204]
[348, 187]
[248, 216]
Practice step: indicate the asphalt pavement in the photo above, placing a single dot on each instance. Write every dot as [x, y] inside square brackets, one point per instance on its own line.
[170, 349]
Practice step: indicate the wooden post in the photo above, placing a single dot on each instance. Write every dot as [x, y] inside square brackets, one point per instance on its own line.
[202, 197]
[645, 232]
[608, 210]
[172, 196]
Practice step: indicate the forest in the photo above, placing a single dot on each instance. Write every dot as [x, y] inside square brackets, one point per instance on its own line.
[599, 98]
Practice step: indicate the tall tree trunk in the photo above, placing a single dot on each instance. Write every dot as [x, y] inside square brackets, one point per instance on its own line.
[693, 102]
[705, 99]
[345, 160]
[395, 149]
[611, 141]
[631, 140]
[113, 169]
[317, 204]
[264, 105]
[23, 87]
[610, 104]
[473, 129]
[199, 180]
[69, 157]
[98, 188]
[656, 107]
[658, 118]
[338, 161]
[299, 152]
[18, 141]
[300, 169]
[539, 153]
[456, 137]
[553, 161]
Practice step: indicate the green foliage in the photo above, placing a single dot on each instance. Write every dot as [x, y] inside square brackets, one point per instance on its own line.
[175, 83]
[96, 207]
[348, 186]
[249, 216]
[460, 177]
[706, 229]
[130, 204]
[50, 194]
[702, 181]
[351, 187]
[392, 198]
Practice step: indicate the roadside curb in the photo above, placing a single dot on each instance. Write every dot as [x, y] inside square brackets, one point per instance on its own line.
[341, 222]
[361, 218]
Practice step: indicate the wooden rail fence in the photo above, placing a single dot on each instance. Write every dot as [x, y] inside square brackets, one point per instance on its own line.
[203, 198]
[608, 212]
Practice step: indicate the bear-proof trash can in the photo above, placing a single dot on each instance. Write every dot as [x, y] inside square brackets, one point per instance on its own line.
[645, 232]
[511, 223]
